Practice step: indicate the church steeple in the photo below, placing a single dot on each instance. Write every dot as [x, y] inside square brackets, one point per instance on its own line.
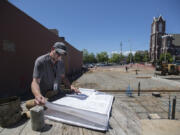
[157, 31]
[158, 25]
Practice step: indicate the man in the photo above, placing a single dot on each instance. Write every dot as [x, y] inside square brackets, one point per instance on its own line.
[126, 68]
[48, 74]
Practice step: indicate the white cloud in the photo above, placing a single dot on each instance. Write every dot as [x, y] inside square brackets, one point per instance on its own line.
[127, 52]
[124, 52]
[114, 52]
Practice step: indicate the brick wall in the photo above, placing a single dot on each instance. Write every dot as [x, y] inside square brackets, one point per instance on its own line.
[22, 40]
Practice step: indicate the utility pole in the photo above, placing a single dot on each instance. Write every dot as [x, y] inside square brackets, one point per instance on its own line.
[121, 47]
[130, 51]
[120, 52]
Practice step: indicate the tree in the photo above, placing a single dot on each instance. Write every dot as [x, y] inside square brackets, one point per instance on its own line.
[88, 57]
[141, 56]
[138, 57]
[115, 58]
[92, 58]
[102, 57]
[146, 56]
[166, 57]
[85, 56]
[121, 57]
[130, 58]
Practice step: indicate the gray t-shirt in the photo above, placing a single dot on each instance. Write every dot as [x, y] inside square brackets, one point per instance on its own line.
[48, 73]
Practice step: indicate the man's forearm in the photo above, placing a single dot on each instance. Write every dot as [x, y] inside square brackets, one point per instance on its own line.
[39, 99]
[35, 89]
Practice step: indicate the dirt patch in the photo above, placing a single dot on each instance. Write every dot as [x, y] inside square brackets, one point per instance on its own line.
[116, 78]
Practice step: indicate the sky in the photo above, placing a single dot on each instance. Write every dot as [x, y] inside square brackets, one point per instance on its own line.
[101, 25]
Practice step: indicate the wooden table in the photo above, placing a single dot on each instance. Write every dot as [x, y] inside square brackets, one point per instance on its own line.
[119, 123]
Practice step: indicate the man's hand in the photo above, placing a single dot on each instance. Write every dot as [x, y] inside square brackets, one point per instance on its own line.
[39, 100]
[75, 89]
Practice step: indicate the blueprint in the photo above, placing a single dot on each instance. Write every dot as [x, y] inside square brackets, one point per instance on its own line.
[90, 109]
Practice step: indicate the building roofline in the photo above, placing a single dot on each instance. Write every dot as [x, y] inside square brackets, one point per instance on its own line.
[28, 15]
[61, 38]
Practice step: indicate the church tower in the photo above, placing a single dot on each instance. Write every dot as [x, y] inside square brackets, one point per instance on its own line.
[157, 31]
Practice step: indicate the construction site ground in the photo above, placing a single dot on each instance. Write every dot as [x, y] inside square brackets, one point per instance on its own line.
[130, 115]
[116, 78]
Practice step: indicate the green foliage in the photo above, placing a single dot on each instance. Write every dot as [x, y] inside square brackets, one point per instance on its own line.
[146, 56]
[85, 56]
[92, 58]
[166, 57]
[88, 57]
[115, 58]
[138, 57]
[121, 57]
[141, 56]
[102, 57]
[130, 58]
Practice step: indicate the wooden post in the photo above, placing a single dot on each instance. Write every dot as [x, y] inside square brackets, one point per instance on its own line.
[139, 88]
[136, 71]
[174, 108]
[37, 118]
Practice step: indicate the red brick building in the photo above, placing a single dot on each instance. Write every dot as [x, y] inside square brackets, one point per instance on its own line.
[22, 40]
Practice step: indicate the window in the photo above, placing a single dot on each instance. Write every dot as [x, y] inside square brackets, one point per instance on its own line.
[160, 27]
[177, 51]
[168, 43]
[154, 28]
